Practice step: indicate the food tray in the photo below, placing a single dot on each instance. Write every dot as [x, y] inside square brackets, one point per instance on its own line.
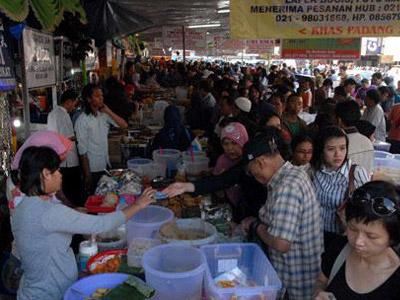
[103, 257]
[93, 205]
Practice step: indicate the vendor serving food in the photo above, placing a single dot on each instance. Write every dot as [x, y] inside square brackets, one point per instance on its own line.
[43, 229]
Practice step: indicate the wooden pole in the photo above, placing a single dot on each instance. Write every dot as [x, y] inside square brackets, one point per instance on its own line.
[183, 44]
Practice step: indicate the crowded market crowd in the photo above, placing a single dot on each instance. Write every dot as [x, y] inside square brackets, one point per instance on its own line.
[293, 155]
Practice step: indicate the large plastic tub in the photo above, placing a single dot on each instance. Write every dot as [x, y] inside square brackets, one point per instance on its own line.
[382, 154]
[198, 167]
[194, 224]
[138, 248]
[189, 156]
[147, 222]
[146, 167]
[167, 157]
[387, 169]
[175, 271]
[251, 260]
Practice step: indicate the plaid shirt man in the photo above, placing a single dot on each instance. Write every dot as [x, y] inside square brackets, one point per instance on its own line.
[292, 213]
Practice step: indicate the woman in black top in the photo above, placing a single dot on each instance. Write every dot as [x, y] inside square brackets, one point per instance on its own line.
[173, 135]
[367, 267]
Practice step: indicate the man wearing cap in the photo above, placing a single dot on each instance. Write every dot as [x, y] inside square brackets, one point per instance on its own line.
[241, 112]
[289, 222]
[60, 121]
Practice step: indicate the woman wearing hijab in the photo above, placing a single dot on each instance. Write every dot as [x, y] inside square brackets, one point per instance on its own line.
[173, 135]
[59, 143]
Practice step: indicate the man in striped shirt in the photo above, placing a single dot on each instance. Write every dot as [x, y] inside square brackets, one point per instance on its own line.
[289, 222]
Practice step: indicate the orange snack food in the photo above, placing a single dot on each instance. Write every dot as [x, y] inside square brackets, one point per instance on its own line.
[109, 266]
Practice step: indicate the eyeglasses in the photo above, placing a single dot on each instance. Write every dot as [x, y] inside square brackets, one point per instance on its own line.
[380, 206]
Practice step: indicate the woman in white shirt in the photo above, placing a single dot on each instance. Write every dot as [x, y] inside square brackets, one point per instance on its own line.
[332, 176]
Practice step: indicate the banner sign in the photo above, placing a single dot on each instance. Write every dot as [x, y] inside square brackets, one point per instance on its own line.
[263, 19]
[195, 39]
[7, 78]
[39, 58]
[260, 46]
[226, 46]
[346, 49]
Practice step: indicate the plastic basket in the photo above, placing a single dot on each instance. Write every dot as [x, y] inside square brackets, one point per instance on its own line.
[251, 260]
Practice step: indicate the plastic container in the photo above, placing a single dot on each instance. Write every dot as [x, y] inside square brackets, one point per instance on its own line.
[85, 287]
[175, 271]
[137, 248]
[387, 163]
[194, 224]
[147, 222]
[251, 260]
[146, 167]
[187, 155]
[382, 146]
[117, 239]
[169, 158]
[382, 154]
[387, 169]
[197, 167]
[87, 249]
[139, 163]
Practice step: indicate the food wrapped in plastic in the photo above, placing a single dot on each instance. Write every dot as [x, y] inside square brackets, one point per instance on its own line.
[106, 185]
[216, 212]
[131, 188]
[129, 176]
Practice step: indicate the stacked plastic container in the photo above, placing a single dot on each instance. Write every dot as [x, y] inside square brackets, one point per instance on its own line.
[251, 260]
[147, 222]
[146, 167]
[175, 271]
[169, 158]
[386, 167]
[195, 163]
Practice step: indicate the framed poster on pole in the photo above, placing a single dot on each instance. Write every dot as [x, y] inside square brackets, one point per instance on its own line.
[39, 58]
[39, 78]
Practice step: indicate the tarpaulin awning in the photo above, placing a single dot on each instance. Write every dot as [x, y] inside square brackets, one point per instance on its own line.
[108, 19]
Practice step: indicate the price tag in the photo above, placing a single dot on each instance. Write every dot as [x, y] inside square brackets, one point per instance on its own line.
[225, 265]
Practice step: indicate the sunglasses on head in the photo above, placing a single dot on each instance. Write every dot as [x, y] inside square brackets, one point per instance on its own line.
[380, 206]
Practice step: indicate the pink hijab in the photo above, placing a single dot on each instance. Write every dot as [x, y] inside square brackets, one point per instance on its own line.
[51, 139]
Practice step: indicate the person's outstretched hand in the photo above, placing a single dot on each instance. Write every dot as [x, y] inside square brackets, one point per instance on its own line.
[146, 198]
[179, 188]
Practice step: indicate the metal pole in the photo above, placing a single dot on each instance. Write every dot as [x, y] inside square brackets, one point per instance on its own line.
[61, 78]
[25, 93]
[183, 44]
